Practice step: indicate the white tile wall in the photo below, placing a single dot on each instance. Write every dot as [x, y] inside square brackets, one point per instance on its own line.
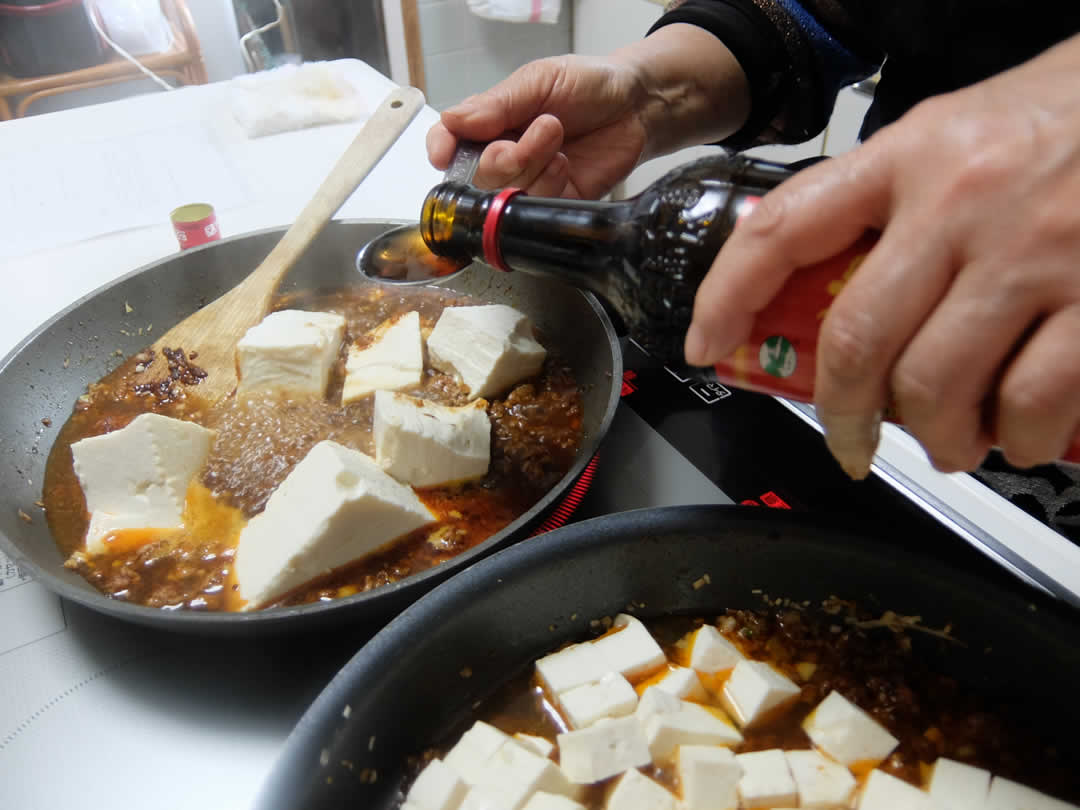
[465, 54]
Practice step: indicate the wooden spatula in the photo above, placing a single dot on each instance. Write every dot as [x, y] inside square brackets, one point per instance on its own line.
[212, 332]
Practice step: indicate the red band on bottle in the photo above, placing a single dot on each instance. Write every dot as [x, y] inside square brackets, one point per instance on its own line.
[490, 244]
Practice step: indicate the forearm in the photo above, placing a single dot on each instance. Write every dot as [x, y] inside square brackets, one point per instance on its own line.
[695, 90]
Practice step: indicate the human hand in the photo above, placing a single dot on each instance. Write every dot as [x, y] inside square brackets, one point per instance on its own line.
[966, 313]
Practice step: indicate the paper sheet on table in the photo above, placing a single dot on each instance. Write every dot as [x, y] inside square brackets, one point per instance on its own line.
[83, 189]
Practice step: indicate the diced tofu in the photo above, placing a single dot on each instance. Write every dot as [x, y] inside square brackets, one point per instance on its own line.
[602, 750]
[489, 347]
[572, 666]
[682, 682]
[611, 696]
[392, 361]
[710, 652]
[847, 733]
[691, 724]
[138, 476]
[551, 801]
[766, 780]
[885, 792]
[1008, 795]
[470, 754]
[513, 773]
[754, 689]
[290, 350]
[426, 444]
[437, 787]
[655, 700]
[631, 651]
[540, 745]
[821, 783]
[335, 506]
[709, 776]
[958, 786]
[635, 791]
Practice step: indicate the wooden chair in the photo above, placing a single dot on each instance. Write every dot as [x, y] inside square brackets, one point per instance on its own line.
[182, 62]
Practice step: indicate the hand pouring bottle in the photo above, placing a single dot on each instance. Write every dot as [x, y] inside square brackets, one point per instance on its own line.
[646, 256]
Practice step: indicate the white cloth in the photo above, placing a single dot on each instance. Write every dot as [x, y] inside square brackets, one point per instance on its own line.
[519, 11]
[294, 97]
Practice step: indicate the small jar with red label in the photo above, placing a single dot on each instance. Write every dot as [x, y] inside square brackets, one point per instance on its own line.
[195, 224]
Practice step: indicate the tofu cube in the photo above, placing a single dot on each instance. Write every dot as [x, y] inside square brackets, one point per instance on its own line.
[569, 667]
[539, 745]
[426, 444]
[393, 360]
[821, 783]
[655, 700]
[630, 650]
[754, 689]
[711, 653]
[603, 750]
[1008, 795]
[513, 774]
[437, 787]
[690, 724]
[847, 733]
[709, 776]
[611, 696]
[290, 350]
[682, 682]
[138, 476]
[635, 791]
[490, 348]
[551, 801]
[335, 506]
[883, 791]
[470, 754]
[958, 786]
[766, 780]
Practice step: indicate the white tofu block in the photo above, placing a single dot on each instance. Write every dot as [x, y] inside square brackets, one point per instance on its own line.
[883, 791]
[138, 476]
[551, 801]
[709, 776]
[539, 745]
[631, 651]
[1008, 795]
[569, 667]
[655, 700]
[611, 696]
[820, 782]
[489, 347]
[470, 754]
[635, 791]
[710, 652]
[682, 682]
[438, 787]
[393, 360]
[290, 350]
[514, 773]
[335, 506]
[958, 786]
[847, 733]
[692, 724]
[603, 750]
[766, 780]
[753, 690]
[426, 444]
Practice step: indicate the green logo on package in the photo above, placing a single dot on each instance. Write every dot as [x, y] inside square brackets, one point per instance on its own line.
[777, 356]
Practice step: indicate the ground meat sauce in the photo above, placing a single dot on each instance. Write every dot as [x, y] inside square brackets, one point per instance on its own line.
[877, 668]
[536, 433]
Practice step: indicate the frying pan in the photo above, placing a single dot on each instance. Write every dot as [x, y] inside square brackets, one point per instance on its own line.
[405, 689]
[42, 377]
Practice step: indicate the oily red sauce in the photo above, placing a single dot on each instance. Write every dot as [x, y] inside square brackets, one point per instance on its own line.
[536, 432]
[878, 669]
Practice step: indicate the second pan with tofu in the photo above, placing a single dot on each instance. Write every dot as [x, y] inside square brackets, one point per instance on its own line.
[379, 438]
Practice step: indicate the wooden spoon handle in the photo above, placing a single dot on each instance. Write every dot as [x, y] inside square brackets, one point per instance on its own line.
[373, 141]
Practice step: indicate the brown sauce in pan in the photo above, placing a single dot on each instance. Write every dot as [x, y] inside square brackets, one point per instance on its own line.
[536, 432]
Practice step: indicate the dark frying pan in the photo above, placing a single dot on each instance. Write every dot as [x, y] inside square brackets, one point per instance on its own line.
[42, 377]
[404, 687]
